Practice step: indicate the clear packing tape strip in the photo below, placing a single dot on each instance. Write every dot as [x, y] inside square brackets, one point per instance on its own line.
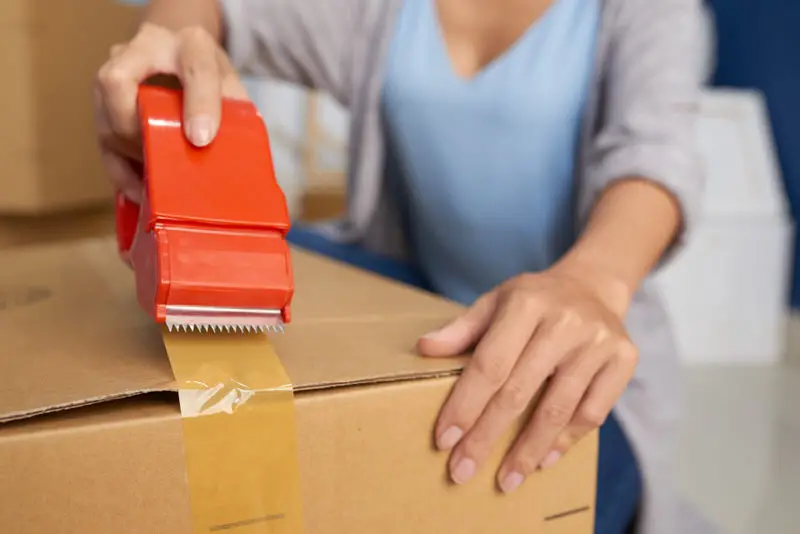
[240, 437]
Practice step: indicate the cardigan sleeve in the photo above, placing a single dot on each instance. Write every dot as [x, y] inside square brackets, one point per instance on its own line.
[306, 42]
[649, 103]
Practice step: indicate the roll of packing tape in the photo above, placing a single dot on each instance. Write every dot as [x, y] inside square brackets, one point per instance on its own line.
[240, 437]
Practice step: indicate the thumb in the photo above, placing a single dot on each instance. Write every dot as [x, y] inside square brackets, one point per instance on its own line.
[462, 333]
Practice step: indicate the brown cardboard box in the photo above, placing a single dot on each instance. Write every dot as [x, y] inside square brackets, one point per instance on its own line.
[322, 203]
[91, 435]
[27, 230]
[49, 54]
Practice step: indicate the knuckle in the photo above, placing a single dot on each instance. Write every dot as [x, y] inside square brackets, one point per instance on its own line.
[563, 320]
[556, 414]
[627, 352]
[492, 370]
[112, 76]
[199, 65]
[565, 441]
[198, 62]
[513, 397]
[566, 316]
[589, 416]
[523, 303]
[525, 463]
[600, 333]
[195, 34]
[474, 446]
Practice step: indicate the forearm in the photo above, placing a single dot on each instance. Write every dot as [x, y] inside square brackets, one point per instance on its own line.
[630, 228]
[179, 14]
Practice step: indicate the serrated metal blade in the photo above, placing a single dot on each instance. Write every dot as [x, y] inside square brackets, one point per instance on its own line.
[218, 319]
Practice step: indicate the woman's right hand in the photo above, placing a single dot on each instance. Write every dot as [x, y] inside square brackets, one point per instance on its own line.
[195, 58]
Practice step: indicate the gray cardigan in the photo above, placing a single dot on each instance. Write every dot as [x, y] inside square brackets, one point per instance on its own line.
[639, 122]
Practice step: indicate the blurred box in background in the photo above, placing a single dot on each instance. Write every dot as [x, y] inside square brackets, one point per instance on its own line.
[49, 55]
[324, 203]
[28, 230]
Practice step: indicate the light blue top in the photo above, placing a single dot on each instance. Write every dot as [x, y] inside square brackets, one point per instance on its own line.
[485, 166]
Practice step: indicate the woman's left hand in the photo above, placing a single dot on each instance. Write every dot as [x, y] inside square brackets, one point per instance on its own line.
[558, 324]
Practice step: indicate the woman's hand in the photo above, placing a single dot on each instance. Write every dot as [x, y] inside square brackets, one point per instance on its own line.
[564, 324]
[206, 75]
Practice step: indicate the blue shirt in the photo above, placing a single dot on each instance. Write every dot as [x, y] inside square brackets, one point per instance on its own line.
[483, 167]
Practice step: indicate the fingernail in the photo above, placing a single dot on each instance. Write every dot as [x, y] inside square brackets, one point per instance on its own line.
[511, 482]
[201, 130]
[550, 459]
[432, 335]
[463, 471]
[449, 438]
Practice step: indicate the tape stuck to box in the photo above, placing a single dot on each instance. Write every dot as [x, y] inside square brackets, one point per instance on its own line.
[240, 436]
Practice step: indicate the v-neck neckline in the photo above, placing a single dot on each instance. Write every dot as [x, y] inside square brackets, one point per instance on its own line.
[444, 52]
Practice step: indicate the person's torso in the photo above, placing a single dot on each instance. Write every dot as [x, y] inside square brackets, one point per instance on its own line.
[483, 167]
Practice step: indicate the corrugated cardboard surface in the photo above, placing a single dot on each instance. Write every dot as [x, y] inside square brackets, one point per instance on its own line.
[49, 55]
[91, 437]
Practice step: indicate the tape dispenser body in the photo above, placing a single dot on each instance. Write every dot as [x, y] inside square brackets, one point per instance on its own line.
[208, 242]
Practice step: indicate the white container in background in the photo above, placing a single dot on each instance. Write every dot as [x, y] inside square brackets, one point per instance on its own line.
[727, 293]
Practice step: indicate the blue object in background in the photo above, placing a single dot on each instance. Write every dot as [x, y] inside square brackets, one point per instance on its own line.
[758, 42]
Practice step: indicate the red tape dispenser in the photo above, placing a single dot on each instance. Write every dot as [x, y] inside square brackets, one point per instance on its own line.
[208, 244]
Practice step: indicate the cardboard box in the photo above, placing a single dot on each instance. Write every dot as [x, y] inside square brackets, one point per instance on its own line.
[49, 55]
[59, 227]
[321, 203]
[91, 435]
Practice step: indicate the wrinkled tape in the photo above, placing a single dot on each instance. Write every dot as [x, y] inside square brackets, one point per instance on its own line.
[240, 437]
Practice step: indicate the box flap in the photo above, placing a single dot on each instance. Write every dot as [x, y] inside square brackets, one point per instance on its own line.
[71, 332]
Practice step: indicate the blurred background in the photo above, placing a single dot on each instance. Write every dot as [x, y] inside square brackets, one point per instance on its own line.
[732, 295]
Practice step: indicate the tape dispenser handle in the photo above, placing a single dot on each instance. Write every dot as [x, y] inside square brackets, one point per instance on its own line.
[127, 222]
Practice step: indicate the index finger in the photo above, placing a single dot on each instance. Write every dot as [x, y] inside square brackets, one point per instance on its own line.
[200, 74]
[490, 367]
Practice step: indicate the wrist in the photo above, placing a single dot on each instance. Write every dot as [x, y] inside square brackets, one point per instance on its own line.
[176, 15]
[611, 288]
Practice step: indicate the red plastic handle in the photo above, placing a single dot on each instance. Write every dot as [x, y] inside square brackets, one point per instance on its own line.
[127, 221]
